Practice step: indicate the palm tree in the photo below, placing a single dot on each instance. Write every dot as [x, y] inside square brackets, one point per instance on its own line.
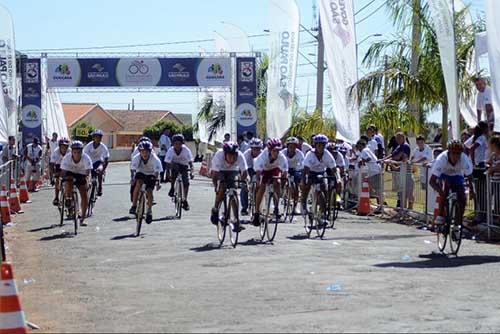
[213, 114]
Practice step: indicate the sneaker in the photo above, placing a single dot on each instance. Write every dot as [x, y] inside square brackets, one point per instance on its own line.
[149, 218]
[304, 208]
[132, 210]
[244, 212]
[67, 203]
[99, 192]
[185, 205]
[378, 210]
[55, 202]
[171, 192]
[82, 222]
[237, 228]
[256, 220]
[214, 217]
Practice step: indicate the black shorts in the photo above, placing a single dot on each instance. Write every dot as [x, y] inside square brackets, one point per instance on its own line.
[228, 178]
[313, 178]
[149, 180]
[57, 170]
[183, 170]
[80, 180]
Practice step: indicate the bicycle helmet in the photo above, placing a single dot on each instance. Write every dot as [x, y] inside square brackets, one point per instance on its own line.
[331, 147]
[63, 141]
[178, 138]
[144, 139]
[97, 132]
[455, 146]
[320, 139]
[230, 148]
[292, 140]
[77, 145]
[145, 145]
[256, 143]
[274, 143]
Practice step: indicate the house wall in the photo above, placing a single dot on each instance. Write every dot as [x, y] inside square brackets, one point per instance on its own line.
[100, 120]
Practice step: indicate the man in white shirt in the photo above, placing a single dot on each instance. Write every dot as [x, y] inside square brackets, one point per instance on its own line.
[52, 145]
[99, 154]
[179, 159]
[56, 160]
[295, 159]
[165, 144]
[373, 169]
[422, 155]
[303, 145]
[146, 168]
[484, 102]
[33, 155]
[243, 145]
[75, 169]
[250, 155]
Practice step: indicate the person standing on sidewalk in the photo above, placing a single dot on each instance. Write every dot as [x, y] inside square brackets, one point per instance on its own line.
[165, 144]
[484, 102]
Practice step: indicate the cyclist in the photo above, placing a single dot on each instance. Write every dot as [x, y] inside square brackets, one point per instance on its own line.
[52, 145]
[303, 145]
[295, 159]
[316, 163]
[56, 159]
[253, 152]
[448, 173]
[227, 164]
[179, 159]
[32, 168]
[76, 167]
[270, 163]
[341, 164]
[99, 153]
[134, 153]
[146, 168]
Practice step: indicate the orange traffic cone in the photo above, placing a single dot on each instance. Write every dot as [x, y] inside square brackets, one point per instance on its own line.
[12, 319]
[15, 206]
[4, 206]
[23, 191]
[364, 198]
[204, 169]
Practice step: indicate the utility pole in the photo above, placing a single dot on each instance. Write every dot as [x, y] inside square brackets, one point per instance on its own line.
[321, 69]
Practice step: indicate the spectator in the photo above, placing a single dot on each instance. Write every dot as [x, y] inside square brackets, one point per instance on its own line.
[399, 156]
[393, 144]
[464, 136]
[494, 172]
[372, 144]
[249, 136]
[227, 138]
[422, 155]
[165, 144]
[10, 151]
[380, 141]
[33, 154]
[439, 135]
[484, 102]
[243, 145]
[367, 158]
[52, 145]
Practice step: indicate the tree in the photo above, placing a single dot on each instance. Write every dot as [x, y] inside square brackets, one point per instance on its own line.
[154, 131]
[306, 125]
[82, 131]
[388, 118]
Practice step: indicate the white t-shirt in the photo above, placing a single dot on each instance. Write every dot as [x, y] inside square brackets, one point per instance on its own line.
[244, 147]
[82, 167]
[56, 157]
[53, 145]
[150, 167]
[484, 98]
[34, 151]
[100, 153]
[441, 166]
[480, 151]
[306, 148]
[219, 163]
[378, 137]
[372, 145]
[372, 165]
[249, 158]
[297, 161]
[183, 158]
[165, 144]
[311, 161]
[426, 153]
[136, 151]
[339, 160]
[263, 162]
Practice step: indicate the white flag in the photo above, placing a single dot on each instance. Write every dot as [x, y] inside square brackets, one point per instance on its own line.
[337, 24]
[8, 67]
[4, 118]
[493, 30]
[282, 73]
[443, 24]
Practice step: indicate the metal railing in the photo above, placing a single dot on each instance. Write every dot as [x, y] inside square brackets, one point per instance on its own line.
[6, 173]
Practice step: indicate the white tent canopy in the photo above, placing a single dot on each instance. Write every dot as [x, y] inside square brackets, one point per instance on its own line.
[55, 121]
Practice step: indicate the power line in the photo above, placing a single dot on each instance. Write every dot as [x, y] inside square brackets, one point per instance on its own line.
[372, 13]
[364, 7]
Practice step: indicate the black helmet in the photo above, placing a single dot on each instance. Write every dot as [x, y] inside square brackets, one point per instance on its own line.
[230, 148]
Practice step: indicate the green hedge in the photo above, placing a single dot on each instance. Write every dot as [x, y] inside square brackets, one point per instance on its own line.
[154, 131]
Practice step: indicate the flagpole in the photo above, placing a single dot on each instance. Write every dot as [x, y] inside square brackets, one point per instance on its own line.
[456, 132]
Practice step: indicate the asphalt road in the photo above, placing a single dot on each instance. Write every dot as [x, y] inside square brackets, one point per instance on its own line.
[382, 277]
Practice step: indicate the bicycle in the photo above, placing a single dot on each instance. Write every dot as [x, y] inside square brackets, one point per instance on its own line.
[451, 230]
[271, 212]
[73, 209]
[178, 195]
[229, 217]
[252, 195]
[287, 200]
[315, 217]
[92, 195]
[141, 208]
[333, 205]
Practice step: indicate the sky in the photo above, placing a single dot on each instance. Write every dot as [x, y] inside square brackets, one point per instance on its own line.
[47, 24]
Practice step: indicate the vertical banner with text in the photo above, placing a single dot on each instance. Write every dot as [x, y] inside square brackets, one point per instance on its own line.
[246, 93]
[31, 113]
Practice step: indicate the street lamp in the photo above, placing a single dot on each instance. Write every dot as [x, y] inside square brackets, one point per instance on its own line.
[364, 40]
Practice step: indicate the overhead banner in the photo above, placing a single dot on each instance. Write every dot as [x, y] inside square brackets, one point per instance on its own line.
[282, 73]
[31, 112]
[443, 25]
[246, 93]
[8, 68]
[493, 29]
[337, 24]
[139, 72]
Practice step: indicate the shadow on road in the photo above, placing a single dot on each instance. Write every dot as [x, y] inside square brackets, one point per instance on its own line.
[305, 237]
[380, 237]
[165, 219]
[123, 219]
[206, 248]
[65, 235]
[253, 242]
[126, 236]
[435, 260]
[51, 227]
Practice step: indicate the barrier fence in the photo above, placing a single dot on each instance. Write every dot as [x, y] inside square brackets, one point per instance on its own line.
[6, 173]
[405, 188]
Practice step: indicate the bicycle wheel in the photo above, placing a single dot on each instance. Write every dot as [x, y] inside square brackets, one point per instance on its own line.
[320, 216]
[272, 217]
[456, 229]
[62, 199]
[178, 199]
[442, 235]
[252, 195]
[139, 216]
[76, 210]
[263, 224]
[308, 216]
[288, 203]
[233, 220]
[221, 224]
[92, 200]
[332, 208]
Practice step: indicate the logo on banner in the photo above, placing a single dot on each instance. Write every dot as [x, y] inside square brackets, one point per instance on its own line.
[32, 116]
[246, 72]
[31, 93]
[64, 72]
[214, 72]
[98, 73]
[138, 72]
[32, 73]
[178, 73]
[245, 91]
[340, 19]
[246, 114]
